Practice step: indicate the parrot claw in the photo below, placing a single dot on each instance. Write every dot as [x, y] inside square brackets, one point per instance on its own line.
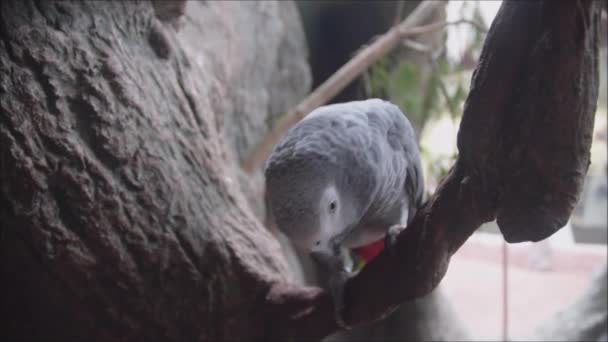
[390, 239]
[334, 265]
[337, 283]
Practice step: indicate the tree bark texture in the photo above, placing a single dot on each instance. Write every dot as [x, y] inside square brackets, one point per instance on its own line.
[538, 78]
[120, 216]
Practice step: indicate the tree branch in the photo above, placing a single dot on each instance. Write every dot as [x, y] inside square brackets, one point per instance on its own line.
[399, 4]
[346, 74]
[524, 145]
[436, 26]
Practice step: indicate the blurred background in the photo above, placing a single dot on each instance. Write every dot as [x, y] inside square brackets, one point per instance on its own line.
[495, 291]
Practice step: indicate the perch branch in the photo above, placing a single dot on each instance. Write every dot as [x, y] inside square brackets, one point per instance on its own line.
[512, 91]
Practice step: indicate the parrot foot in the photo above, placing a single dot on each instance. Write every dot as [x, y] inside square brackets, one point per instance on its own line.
[332, 263]
[390, 239]
[336, 287]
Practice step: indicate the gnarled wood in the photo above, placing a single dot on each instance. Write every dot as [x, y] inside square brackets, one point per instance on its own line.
[118, 217]
[529, 116]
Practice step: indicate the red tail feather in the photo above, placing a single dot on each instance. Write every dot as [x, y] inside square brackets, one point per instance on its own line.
[368, 252]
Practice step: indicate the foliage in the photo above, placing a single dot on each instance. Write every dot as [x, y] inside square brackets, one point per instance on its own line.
[428, 92]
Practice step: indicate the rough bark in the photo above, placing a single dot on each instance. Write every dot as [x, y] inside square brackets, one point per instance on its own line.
[118, 218]
[533, 151]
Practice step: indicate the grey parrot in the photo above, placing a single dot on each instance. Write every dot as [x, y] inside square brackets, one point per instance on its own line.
[345, 176]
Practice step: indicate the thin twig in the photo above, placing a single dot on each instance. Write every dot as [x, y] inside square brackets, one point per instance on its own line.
[347, 73]
[438, 25]
[416, 46]
[444, 91]
[398, 12]
[412, 44]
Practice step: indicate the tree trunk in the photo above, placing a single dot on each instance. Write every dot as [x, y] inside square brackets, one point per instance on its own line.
[121, 217]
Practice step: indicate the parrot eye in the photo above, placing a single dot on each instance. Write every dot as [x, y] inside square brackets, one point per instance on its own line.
[332, 206]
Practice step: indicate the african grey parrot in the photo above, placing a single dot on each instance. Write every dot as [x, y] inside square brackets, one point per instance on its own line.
[345, 176]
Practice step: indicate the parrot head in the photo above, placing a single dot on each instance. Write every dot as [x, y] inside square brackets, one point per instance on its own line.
[309, 204]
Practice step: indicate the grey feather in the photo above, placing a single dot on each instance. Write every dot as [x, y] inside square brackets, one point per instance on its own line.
[367, 148]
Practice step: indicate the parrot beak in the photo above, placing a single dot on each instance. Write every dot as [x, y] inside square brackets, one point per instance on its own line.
[321, 257]
[324, 260]
[327, 260]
